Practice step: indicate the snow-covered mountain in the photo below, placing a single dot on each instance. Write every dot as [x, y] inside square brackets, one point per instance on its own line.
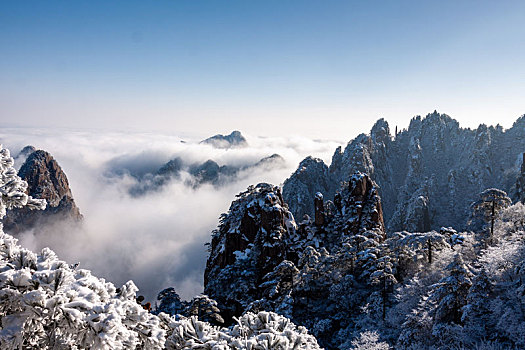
[356, 286]
[341, 273]
[428, 174]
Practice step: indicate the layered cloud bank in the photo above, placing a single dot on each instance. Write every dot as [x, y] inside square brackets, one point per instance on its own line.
[158, 238]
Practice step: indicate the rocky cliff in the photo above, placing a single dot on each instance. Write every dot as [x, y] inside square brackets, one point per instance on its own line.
[46, 180]
[252, 238]
[261, 259]
[427, 174]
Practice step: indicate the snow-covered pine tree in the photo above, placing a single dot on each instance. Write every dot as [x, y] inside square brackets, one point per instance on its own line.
[415, 250]
[205, 309]
[450, 296]
[169, 302]
[265, 330]
[369, 340]
[476, 316]
[278, 286]
[383, 277]
[487, 207]
[368, 252]
[13, 188]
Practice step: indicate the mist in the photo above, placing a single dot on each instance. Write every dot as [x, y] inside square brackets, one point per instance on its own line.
[156, 239]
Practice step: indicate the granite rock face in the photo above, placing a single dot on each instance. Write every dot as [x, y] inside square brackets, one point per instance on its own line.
[428, 174]
[250, 241]
[360, 205]
[261, 259]
[46, 180]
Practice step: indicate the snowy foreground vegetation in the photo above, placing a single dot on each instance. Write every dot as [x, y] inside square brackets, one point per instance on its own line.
[47, 304]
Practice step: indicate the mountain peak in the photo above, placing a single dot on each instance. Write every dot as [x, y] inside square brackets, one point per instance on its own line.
[234, 139]
[46, 180]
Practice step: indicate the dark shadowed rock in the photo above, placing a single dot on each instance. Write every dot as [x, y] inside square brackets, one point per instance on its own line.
[206, 172]
[46, 180]
[211, 172]
[360, 204]
[153, 182]
[520, 182]
[235, 139]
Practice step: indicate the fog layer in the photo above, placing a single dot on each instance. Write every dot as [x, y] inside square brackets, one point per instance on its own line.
[158, 239]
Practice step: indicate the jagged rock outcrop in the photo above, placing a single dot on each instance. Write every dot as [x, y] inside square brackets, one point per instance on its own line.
[319, 216]
[249, 242]
[46, 180]
[360, 204]
[171, 168]
[235, 139]
[260, 259]
[427, 174]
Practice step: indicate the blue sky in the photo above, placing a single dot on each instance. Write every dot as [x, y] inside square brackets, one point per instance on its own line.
[324, 69]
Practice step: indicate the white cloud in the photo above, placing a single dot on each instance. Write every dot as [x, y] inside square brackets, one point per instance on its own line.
[156, 239]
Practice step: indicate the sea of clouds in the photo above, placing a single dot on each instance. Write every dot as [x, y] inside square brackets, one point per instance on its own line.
[156, 239]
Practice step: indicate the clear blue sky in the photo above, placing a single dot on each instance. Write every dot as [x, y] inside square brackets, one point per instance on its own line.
[325, 69]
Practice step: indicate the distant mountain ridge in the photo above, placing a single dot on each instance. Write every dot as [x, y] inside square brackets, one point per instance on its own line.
[428, 174]
[208, 172]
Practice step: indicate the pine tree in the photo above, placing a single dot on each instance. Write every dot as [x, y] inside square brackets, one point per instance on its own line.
[169, 302]
[205, 309]
[369, 341]
[477, 313]
[451, 292]
[491, 202]
[449, 296]
[13, 188]
[383, 277]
